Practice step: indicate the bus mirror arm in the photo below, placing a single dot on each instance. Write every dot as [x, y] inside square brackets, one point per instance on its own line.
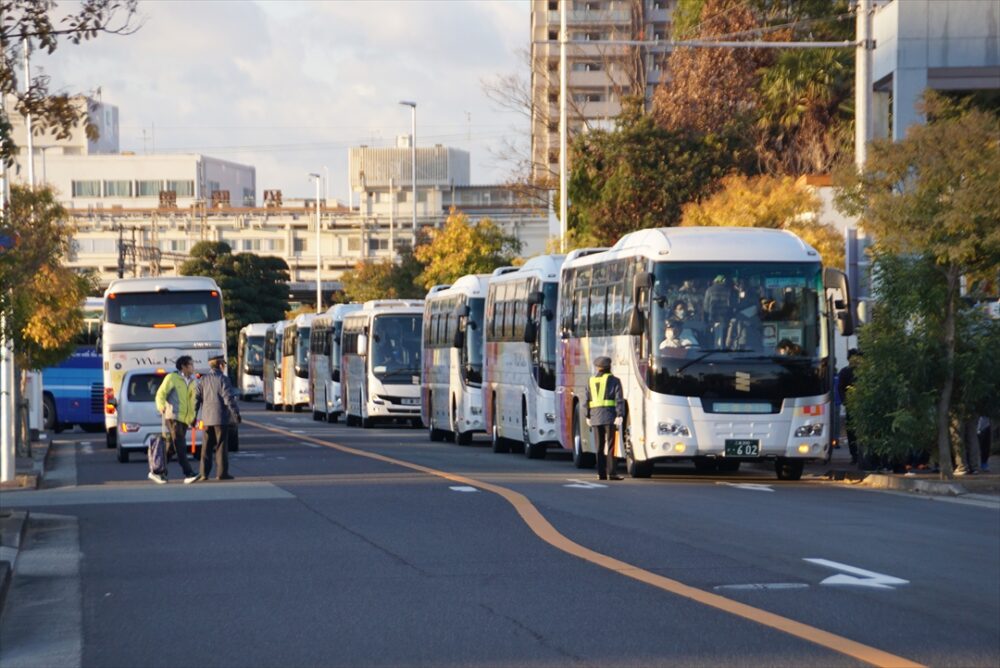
[836, 280]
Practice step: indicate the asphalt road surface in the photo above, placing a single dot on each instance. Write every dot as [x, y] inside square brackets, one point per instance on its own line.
[339, 546]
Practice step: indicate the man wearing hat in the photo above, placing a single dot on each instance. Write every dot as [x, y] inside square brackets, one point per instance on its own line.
[605, 408]
[216, 400]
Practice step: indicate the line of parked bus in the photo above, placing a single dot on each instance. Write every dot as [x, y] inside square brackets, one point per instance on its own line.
[722, 338]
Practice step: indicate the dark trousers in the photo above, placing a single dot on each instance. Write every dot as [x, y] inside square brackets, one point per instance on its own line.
[985, 445]
[176, 430]
[604, 442]
[216, 443]
[852, 438]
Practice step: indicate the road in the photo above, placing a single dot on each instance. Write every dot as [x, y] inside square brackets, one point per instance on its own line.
[338, 546]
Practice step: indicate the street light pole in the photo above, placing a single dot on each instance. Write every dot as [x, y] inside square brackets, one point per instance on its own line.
[563, 130]
[413, 159]
[319, 256]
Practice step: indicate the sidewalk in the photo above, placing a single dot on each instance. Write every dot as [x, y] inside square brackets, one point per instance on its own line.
[14, 523]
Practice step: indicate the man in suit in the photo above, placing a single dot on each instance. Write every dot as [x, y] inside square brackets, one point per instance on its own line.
[216, 400]
[605, 408]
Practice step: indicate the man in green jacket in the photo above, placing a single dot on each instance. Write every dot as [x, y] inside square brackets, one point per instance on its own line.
[175, 401]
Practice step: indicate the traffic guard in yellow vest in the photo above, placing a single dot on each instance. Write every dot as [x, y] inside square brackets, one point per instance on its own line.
[605, 410]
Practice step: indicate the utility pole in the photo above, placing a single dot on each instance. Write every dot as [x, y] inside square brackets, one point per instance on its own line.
[863, 83]
[563, 130]
[319, 255]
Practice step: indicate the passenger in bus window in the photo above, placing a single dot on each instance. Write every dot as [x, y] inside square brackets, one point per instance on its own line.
[720, 297]
[788, 348]
[676, 333]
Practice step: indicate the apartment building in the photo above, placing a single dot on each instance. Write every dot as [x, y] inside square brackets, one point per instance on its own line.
[598, 74]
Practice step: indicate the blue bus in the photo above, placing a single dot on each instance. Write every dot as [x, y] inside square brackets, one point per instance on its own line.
[73, 391]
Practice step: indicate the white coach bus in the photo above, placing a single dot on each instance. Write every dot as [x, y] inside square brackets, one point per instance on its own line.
[150, 322]
[722, 339]
[324, 362]
[295, 362]
[380, 379]
[250, 360]
[274, 340]
[452, 376]
[520, 366]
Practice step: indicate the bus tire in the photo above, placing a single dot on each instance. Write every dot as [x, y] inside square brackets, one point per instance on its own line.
[531, 450]
[367, 423]
[729, 465]
[111, 438]
[499, 443]
[705, 465]
[49, 413]
[635, 468]
[463, 437]
[788, 469]
[581, 459]
[332, 417]
[433, 433]
[317, 416]
[122, 454]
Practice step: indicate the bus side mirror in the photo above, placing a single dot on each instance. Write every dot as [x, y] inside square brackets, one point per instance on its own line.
[834, 280]
[459, 339]
[536, 297]
[362, 345]
[642, 284]
[530, 331]
[463, 311]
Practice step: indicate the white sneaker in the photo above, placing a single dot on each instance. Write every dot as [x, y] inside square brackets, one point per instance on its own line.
[158, 479]
[191, 478]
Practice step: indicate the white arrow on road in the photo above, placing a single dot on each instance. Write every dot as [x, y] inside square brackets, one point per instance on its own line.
[748, 485]
[584, 484]
[860, 577]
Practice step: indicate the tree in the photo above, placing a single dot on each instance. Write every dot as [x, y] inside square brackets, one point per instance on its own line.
[40, 295]
[33, 20]
[639, 175]
[371, 279]
[772, 202]
[934, 197]
[254, 287]
[461, 247]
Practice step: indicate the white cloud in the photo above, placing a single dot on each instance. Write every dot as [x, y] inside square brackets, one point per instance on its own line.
[289, 86]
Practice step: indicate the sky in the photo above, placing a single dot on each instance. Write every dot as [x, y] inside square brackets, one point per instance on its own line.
[288, 86]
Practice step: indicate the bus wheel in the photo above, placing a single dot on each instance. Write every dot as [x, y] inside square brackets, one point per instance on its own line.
[705, 465]
[581, 459]
[433, 433]
[729, 465]
[111, 437]
[122, 455]
[635, 468]
[48, 413]
[332, 417]
[463, 437]
[367, 422]
[788, 469]
[499, 443]
[317, 416]
[531, 450]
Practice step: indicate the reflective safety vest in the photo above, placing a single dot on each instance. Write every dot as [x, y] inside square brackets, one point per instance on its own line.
[597, 386]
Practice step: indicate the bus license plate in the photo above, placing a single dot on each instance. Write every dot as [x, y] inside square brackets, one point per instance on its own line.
[742, 447]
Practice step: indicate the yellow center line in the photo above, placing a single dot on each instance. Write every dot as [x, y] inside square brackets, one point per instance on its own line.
[544, 530]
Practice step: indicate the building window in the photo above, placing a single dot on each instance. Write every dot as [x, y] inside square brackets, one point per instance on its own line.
[553, 66]
[213, 186]
[182, 188]
[276, 245]
[554, 98]
[174, 245]
[378, 244]
[148, 188]
[353, 244]
[117, 188]
[553, 35]
[553, 5]
[249, 197]
[299, 245]
[588, 97]
[587, 67]
[86, 188]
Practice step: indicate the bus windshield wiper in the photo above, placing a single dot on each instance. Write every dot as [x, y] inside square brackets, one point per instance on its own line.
[699, 358]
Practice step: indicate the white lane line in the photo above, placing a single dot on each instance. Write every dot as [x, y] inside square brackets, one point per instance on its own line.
[84, 443]
[463, 488]
[583, 484]
[860, 577]
[298, 431]
[759, 586]
[756, 487]
[88, 449]
[312, 445]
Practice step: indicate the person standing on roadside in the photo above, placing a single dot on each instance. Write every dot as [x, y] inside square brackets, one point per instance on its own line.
[845, 381]
[175, 402]
[605, 408]
[215, 399]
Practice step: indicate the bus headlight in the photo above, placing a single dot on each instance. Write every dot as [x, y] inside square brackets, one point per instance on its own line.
[672, 429]
[807, 430]
[377, 400]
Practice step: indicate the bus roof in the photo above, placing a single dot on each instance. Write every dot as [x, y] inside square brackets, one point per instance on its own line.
[279, 327]
[304, 319]
[714, 244]
[386, 304]
[161, 283]
[255, 329]
[545, 267]
[473, 285]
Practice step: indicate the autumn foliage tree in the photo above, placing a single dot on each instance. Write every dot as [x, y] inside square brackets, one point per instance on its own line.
[384, 279]
[772, 202]
[462, 247]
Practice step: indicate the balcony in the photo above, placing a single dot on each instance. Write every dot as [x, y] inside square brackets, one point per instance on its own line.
[579, 17]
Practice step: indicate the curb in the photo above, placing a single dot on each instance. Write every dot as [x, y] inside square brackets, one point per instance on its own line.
[936, 487]
[13, 525]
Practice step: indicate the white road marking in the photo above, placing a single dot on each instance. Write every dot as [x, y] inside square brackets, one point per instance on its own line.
[84, 442]
[88, 449]
[764, 585]
[463, 488]
[756, 487]
[860, 577]
[298, 431]
[584, 484]
[312, 445]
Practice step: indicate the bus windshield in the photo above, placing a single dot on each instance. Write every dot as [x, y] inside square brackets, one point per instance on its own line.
[150, 309]
[302, 349]
[762, 317]
[395, 344]
[547, 337]
[472, 351]
[255, 355]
